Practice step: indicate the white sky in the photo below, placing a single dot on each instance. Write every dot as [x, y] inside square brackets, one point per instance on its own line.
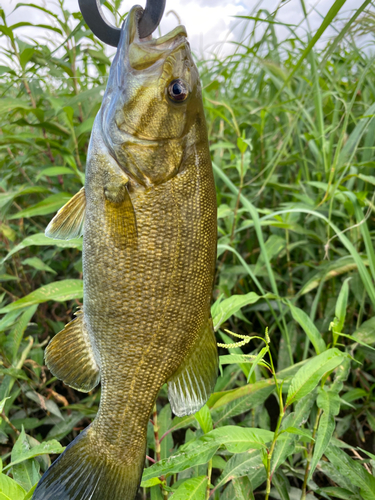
[208, 22]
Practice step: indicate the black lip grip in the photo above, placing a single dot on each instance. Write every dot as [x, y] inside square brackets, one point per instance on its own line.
[95, 20]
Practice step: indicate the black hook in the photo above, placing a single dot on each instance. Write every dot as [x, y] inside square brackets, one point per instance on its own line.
[93, 15]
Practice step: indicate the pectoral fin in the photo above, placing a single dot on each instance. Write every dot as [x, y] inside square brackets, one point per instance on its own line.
[191, 385]
[68, 222]
[70, 356]
[119, 215]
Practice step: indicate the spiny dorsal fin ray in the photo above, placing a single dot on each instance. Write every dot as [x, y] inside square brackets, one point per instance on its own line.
[192, 384]
[68, 222]
[70, 356]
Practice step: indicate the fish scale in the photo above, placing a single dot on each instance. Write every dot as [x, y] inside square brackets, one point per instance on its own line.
[148, 217]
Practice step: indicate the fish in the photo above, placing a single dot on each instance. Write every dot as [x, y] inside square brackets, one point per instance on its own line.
[147, 213]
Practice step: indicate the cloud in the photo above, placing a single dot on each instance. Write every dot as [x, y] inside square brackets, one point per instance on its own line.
[211, 24]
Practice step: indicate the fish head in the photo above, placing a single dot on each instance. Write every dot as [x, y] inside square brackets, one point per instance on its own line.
[151, 102]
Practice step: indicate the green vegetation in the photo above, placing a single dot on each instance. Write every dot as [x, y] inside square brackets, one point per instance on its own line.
[292, 133]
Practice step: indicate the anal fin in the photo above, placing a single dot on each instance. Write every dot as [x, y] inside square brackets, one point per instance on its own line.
[70, 356]
[68, 222]
[191, 385]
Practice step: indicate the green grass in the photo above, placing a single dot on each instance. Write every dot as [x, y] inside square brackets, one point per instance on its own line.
[292, 134]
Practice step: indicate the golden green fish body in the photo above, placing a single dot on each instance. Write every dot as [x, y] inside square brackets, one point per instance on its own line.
[146, 304]
[149, 249]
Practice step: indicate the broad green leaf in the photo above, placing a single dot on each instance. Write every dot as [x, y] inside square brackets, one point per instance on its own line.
[49, 205]
[204, 419]
[239, 439]
[309, 328]
[192, 489]
[230, 306]
[196, 454]
[53, 447]
[356, 473]
[10, 490]
[366, 332]
[40, 239]
[307, 378]
[336, 492]
[329, 401]
[323, 437]
[242, 488]
[233, 403]
[59, 291]
[240, 465]
[151, 482]
[38, 264]
[26, 473]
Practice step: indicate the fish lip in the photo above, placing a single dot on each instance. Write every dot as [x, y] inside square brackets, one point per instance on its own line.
[130, 34]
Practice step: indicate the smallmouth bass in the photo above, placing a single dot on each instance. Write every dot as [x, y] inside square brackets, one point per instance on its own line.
[148, 218]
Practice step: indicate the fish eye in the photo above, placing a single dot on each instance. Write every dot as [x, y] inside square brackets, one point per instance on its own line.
[178, 90]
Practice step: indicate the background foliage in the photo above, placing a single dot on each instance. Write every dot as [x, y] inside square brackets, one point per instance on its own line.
[292, 132]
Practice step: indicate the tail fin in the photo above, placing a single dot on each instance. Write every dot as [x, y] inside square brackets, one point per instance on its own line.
[82, 473]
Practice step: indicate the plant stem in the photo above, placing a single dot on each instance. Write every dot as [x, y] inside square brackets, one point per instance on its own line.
[209, 474]
[158, 447]
[279, 390]
[309, 455]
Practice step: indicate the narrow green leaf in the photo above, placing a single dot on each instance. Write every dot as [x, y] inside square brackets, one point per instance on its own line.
[60, 291]
[356, 473]
[204, 419]
[323, 437]
[40, 239]
[309, 328]
[286, 444]
[300, 432]
[49, 205]
[230, 306]
[341, 305]
[38, 264]
[18, 330]
[54, 171]
[26, 473]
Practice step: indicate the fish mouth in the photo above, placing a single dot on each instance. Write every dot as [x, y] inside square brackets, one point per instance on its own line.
[141, 53]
